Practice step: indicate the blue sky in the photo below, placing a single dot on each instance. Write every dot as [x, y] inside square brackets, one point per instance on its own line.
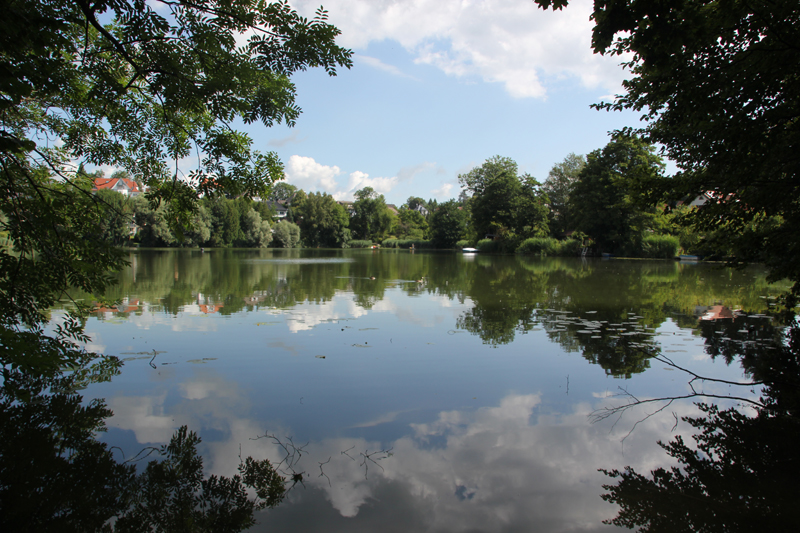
[437, 87]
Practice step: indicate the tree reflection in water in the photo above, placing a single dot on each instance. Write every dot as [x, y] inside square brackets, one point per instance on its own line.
[56, 476]
[742, 473]
[583, 307]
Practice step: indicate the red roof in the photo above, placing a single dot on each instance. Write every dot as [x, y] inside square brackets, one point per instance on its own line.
[715, 312]
[110, 183]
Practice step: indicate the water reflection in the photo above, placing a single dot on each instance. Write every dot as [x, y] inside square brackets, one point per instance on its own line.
[56, 476]
[477, 375]
[742, 473]
[513, 466]
[616, 305]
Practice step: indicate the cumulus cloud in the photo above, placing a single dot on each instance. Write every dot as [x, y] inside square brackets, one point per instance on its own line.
[304, 317]
[307, 174]
[511, 42]
[144, 415]
[511, 466]
[358, 180]
[310, 175]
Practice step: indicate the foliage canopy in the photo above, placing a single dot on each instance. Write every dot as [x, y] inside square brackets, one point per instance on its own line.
[371, 218]
[600, 199]
[138, 85]
[717, 84]
[503, 202]
[558, 186]
[322, 220]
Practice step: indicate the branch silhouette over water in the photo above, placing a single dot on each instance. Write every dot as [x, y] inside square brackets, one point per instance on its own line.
[56, 476]
[742, 473]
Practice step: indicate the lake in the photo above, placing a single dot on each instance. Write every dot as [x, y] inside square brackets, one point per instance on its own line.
[420, 391]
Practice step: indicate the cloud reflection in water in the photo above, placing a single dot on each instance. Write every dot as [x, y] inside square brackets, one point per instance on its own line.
[509, 467]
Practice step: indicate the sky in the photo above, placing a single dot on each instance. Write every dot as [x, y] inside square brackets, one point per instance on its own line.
[439, 86]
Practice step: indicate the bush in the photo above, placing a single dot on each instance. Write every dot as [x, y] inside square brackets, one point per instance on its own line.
[539, 245]
[551, 247]
[406, 243]
[360, 244]
[418, 244]
[285, 235]
[463, 243]
[570, 248]
[660, 246]
[488, 246]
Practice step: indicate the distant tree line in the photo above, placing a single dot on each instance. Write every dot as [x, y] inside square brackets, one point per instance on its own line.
[587, 204]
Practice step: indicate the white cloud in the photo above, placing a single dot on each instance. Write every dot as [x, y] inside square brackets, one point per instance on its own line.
[144, 415]
[306, 316]
[512, 42]
[307, 174]
[310, 175]
[358, 180]
[374, 62]
[443, 191]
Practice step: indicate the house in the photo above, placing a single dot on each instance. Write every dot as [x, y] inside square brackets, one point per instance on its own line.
[422, 210]
[280, 209]
[348, 206]
[704, 198]
[124, 186]
[392, 208]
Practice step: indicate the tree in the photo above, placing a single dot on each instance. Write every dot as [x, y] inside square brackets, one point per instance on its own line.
[600, 200]
[200, 231]
[410, 224]
[504, 203]
[173, 495]
[286, 234]
[558, 187]
[740, 478]
[255, 232]
[153, 226]
[137, 85]
[479, 179]
[448, 225]
[414, 202]
[322, 221]
[282, 192]
[226, 222]
[150, 84]
[115, 226]
[718, 88]
[371, 218]
[530, 209]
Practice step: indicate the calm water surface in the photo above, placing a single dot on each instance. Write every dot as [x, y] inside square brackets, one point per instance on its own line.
[419, 391]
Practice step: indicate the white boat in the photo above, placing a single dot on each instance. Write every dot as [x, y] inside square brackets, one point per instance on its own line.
[469, 250]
